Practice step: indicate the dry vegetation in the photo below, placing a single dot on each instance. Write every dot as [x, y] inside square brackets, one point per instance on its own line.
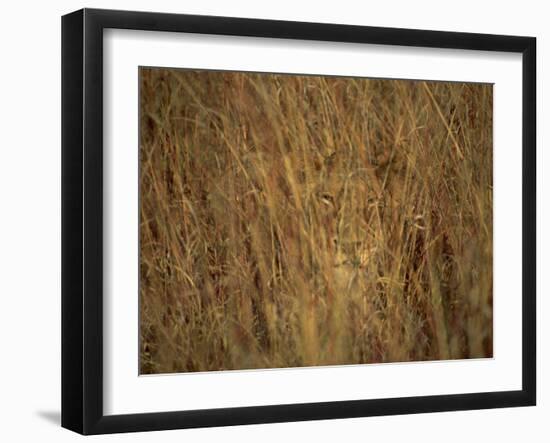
[299, 220]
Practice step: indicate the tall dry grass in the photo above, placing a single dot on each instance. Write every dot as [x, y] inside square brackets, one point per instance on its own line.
[300, 220]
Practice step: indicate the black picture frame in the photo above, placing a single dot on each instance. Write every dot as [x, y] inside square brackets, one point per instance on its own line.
[82, 219]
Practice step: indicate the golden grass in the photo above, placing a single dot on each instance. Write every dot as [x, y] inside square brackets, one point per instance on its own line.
[293, 221]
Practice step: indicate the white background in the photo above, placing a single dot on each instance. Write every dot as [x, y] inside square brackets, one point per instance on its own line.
[30, 219]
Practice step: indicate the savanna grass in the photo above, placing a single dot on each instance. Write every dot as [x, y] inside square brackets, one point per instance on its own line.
[293, 221]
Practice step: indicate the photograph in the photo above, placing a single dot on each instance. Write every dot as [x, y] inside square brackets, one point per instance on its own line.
[294, 220]
[290, 216]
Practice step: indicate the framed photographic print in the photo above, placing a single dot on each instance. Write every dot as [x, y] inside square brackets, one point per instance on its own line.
[269, 221]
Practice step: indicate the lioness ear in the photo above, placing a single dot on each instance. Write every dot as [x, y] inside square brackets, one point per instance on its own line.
[383, 158]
